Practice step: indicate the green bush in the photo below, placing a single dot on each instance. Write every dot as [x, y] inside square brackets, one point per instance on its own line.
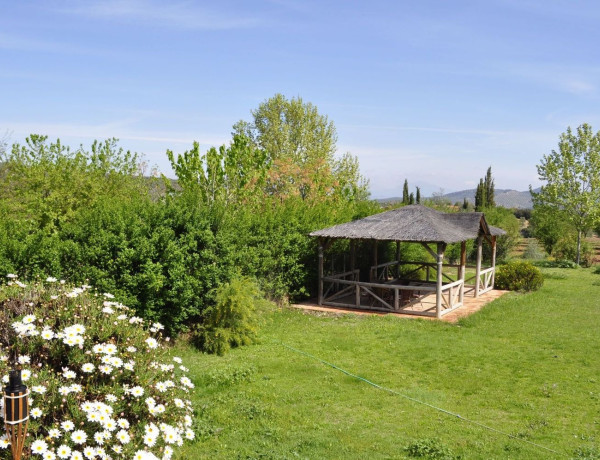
[234, 318]
[566, 248]
[555, 264]
[518, 276]
[428, 448]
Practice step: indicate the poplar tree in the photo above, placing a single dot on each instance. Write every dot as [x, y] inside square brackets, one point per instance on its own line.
[572, 176]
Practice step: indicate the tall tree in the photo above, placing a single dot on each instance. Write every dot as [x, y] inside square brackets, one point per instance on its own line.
[480, 196]
[489, 189]
[572, 176]
[411, 198]
[405, 196]
[300, 146]
[418, 195]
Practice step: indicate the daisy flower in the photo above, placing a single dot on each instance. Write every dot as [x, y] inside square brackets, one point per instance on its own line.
[136, 391]
[39, 446]
[28, 319]
[123, 437]
[78, 437]
[151, 343]
[63, 451]
[88, 367]
[123, 423]
[36, 412]
[67, 425]
[47, 334]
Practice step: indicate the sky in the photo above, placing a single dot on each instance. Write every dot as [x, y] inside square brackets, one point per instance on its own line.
[431, 91]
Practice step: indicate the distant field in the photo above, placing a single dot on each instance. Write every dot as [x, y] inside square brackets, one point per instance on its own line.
[527, 364]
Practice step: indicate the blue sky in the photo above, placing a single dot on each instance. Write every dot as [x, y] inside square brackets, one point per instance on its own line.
[431, 91]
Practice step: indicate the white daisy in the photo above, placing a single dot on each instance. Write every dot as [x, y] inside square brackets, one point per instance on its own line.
[79, 437]
[39, 446]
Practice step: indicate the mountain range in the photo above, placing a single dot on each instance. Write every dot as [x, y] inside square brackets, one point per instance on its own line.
[506, 198]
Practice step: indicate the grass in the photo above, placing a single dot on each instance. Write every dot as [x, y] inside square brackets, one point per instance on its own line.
[527, 364]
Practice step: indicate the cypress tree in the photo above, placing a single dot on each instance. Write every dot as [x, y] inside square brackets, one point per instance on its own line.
[489, 189]
[405, 197]
[418, 195]
[480, 196]
[465, 205]
[411, 198]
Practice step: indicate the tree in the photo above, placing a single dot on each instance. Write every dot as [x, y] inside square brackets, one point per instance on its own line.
[465, 204]
[480, 197]
[411, 198]
[484, 194]
[572, 176]
[300, 147]
[221, 176]
[489, 189]
[418, 195]
[405, 196]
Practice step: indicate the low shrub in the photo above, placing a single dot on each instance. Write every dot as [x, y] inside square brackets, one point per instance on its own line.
[234, 318]
[518, 276]
[428, 448]
[102, 382]
[555, 264]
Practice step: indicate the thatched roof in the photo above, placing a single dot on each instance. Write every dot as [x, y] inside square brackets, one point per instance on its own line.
[414, 223]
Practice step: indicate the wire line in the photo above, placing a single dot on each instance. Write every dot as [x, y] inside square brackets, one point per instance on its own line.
[439, 409]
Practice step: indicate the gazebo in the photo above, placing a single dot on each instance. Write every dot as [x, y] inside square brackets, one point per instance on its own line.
[405, 286]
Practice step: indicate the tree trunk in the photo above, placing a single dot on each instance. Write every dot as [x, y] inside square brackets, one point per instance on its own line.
[578, 246]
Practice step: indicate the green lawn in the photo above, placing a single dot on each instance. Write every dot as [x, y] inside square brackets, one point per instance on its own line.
[527, 364]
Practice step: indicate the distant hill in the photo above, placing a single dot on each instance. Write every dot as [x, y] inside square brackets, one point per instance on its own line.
[503, 197]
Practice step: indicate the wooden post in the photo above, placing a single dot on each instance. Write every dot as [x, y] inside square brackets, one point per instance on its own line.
[320, 295]
[438, 292]
[462, 269]
[478, 268]
[493, 260]
[373, 274]
[397, 259]
[352, 254]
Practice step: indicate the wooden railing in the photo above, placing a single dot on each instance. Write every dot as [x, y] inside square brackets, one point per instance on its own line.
[344, 292]
[391, 270]
[486, 280]
[452, 296]
[336, 288]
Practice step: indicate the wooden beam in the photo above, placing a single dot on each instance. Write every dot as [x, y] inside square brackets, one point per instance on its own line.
[441, 247]
[352, 254]
[478, 267]
[430, 251]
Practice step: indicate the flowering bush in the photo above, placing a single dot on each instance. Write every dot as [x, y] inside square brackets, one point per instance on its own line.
[102, 386]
